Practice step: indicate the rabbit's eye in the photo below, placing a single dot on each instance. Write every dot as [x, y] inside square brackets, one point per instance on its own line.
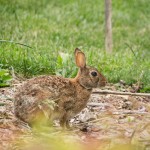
[94, 74]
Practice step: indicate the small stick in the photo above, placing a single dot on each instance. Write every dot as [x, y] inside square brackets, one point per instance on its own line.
[120, 93]
[97, 104]
[16, 43]
[119, 112]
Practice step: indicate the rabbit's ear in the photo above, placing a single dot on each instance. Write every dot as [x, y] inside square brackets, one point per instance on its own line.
[80, 58]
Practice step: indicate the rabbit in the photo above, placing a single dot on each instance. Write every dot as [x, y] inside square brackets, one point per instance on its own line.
[55, 97]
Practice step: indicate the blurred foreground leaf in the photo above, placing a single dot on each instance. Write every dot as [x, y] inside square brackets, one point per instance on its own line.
[5, 77]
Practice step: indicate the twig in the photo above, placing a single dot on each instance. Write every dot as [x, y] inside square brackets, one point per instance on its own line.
[91, 121]
[130, 112]
[120, 93]
[118, 112]
[131, 50]
[16, 43]
[97, 104]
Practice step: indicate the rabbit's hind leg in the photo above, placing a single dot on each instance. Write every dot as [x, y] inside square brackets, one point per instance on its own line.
[64, 122]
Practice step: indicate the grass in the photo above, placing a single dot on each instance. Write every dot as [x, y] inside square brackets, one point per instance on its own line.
[5, 77]
[54, 26]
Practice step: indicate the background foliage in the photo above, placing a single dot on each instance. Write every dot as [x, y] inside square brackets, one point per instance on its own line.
[54, 28]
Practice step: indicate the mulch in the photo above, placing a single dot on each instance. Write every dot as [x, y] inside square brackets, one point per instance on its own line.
[107, 120]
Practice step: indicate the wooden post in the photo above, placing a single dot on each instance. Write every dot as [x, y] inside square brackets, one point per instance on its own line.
[108, 26]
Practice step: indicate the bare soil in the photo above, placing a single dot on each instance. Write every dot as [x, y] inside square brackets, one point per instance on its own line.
[108, 120]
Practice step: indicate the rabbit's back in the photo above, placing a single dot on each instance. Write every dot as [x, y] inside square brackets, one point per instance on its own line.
[31, 99]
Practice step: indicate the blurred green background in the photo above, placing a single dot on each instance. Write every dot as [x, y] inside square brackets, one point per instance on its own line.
[54, 28]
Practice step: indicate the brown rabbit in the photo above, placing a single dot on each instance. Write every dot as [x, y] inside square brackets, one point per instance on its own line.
[68, 96]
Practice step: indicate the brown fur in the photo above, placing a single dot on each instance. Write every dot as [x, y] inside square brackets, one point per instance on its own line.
[70, 96]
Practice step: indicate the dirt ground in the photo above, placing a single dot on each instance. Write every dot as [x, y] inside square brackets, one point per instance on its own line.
[107, 120]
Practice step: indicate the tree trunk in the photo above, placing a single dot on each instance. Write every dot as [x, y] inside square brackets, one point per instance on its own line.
[108, 26]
